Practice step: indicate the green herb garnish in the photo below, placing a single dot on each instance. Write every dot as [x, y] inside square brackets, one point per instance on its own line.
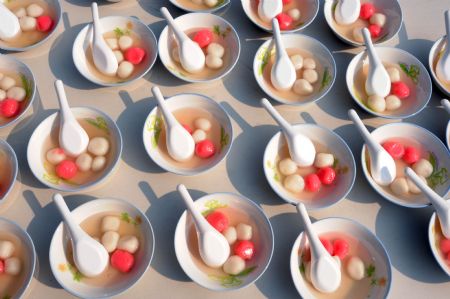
[412, 71]
[370, 270]
[212, 205]
[224, 138]
[302, 268]
[99, 122]
[26, 85]
[219, 32]
[77, 275]
[155, 125]
[326, 79]
[120, 32]
[264, 56]
[439, 176]
[230, 281]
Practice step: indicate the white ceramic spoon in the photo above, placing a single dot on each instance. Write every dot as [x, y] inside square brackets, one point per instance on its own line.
[443, 65]
[382, 165]
[269, 9]
[301, 148]
[378, 81]
[446, 105]
[90, 257]
[441, 205]
[325, 270]
[72, 137]
[192, 58]
[212, 245]
[283, 74]
[347, 11]
[9, 23]
[104, 59]
[180, 143]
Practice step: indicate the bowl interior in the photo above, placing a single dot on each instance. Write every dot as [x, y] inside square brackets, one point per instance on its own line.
[318, 135]
[434, 244]
[435, 52]
[305, 43]
[404, 60]
[84, 39]
[71, 280]
[264, 242]
[29, 253]
[308, 10]
[7, 155]
[36, 147]
[154, 122]
[424, 137]
[381, 262]
[390, 8]
[190, 6]
[197, 21]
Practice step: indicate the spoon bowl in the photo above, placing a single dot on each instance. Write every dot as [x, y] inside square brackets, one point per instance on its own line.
[9, 23]
[269, 9]
[347, 11]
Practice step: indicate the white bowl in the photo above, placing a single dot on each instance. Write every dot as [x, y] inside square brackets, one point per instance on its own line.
[393, 56]
[391, 8]
[13, 228]
[253, 16]
[435, 50]
[35, 149]
[357, 231]
[59, 259]
[194, 21]
[154, 121]
[6, 149]
[9, 63]
[424, 137]
[447, 133]
[57, 12]
[84, 39]
[219, 6]
[264, 250]
[434, 245]
[303, 42]
[322, 136]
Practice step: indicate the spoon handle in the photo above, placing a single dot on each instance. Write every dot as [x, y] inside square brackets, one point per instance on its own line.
[314, 241]
[363, 130]
[181, 36]
[447, 26]
[276, 116]
[280, 50]
[446, 105]
[198, 217]
[373, 57]
[96, 19]
[63, 104]
[74, 229]
[438, 202]
[168, 116]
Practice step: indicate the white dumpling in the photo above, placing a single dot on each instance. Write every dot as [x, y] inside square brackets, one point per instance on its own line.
[27, 23]
[323, 160]
[7, 82]
[202, 124]
[393, 102]
[128, 243]
[297, 61]
[215, 49]
[394, 74]
[199, 135]
[55, 156]
[234, 265]
[125, 69]
[399, 186]
[376, 103]
[84, 162]
[378, 19]
[294, 13]
[230, 234]
[311, 76]
[287, 166]
[213, 62]
[119, 56]
[2, 94]
[110, 223]
[294, 183]
[20, 12]
[423, 167]
[303, 87]
[357, 35]
[17, 93]
[244, 231]
[112, 43]
[110, 240]
[176, 54]
[356, 268]
[125, 42]
[98, 146]
[35, 10]
[413, 187]
[309, 63]
[6, 249]
[98, 163]
[13, 266]
[211, 3]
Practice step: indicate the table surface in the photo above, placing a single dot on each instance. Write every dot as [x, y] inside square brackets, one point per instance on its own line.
[403, 231]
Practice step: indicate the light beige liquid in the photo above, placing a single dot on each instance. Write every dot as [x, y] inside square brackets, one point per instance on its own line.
[235, 217]
[290, 95]
[28, 38]
[360, 89]
[207, 73]
[116, 79]
[81, 178]
[349, 288]
[10, 284]
[187, 116]
[439, 236]
[92, 226]
[301, 5]
[5, 173]
[440, 51]
[189, 4]
[22, 105]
